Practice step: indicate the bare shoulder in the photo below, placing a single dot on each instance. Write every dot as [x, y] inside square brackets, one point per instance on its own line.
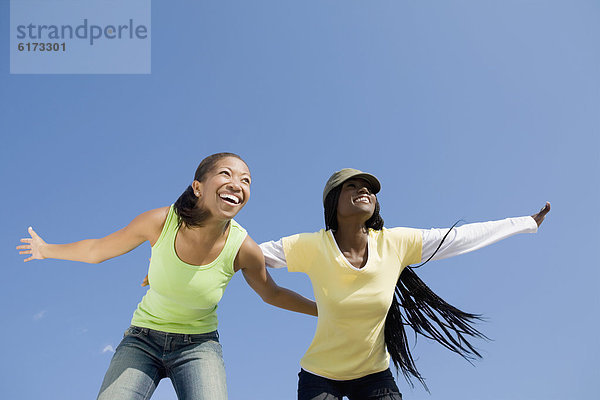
[154, 218]
[150, 223]
[249, 255]
[157, 215]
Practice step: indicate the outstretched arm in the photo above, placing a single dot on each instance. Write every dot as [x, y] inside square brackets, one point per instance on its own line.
[146, 226]
[461, 240]
[471, 237]
[251, 261]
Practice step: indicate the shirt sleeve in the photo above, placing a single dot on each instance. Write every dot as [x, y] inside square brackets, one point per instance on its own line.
[408, 244]
[302, 249]
[471, 237]
[274, 254]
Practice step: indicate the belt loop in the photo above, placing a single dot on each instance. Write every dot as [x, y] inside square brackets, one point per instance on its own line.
[186, 338]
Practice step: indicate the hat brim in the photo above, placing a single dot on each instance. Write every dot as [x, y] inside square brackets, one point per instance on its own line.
[342, 176]
[374, 182]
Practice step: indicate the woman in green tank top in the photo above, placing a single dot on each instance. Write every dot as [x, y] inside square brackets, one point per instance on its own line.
[196, 249]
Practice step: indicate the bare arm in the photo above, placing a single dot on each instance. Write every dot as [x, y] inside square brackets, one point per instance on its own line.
[146, 226]
[252, 263]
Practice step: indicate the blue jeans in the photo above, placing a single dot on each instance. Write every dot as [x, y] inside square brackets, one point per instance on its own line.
[194, 363]
[378, 386]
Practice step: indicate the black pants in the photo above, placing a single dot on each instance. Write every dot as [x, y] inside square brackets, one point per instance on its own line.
[378, 386]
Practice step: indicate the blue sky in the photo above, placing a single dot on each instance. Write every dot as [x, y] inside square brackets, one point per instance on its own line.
[473, 110]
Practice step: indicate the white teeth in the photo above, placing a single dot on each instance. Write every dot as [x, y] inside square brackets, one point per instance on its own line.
[231, 197]
[362, 199]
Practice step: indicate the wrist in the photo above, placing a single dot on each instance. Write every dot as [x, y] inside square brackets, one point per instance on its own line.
[44, 250]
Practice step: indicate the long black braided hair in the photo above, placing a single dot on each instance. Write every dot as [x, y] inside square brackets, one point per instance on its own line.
[424, 311]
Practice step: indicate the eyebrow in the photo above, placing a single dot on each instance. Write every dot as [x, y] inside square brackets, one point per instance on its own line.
[226, 167]
[243, 173]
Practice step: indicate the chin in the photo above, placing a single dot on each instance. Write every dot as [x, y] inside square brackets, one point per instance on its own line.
[365, 208]
[229, 214]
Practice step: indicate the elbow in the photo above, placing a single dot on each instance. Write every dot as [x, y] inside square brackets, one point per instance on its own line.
[94, 255]
[270, 296]
[94, 259]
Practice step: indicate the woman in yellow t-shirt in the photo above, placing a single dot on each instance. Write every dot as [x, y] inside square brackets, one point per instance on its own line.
[361, 282]
[196, 249]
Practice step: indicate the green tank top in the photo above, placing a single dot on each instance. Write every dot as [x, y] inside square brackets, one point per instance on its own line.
[182, 297]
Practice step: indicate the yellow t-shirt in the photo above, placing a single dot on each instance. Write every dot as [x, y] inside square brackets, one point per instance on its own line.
[352, 303]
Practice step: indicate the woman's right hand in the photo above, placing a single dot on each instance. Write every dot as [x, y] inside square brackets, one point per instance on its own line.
[33, 246]
[146, 226]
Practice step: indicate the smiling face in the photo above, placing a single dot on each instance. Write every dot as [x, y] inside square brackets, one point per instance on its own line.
[356, 200]
[225, 189]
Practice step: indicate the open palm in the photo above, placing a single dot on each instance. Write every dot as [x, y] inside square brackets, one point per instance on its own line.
[32, 246]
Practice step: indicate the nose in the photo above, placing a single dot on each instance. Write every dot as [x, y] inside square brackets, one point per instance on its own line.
[364, 190]
[234, 186]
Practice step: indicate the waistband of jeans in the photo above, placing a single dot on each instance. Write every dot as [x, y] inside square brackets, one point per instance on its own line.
[214, 335]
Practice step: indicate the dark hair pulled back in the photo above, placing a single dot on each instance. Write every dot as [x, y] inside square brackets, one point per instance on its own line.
[186, 206]
[424, 311]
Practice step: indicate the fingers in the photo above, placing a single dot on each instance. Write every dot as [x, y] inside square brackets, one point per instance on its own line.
[145, 281]
[27, 248]
[541, 215]
[546, 208]
[33, 234]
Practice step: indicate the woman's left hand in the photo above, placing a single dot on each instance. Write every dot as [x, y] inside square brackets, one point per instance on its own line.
[539, 217]
[145, 282]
